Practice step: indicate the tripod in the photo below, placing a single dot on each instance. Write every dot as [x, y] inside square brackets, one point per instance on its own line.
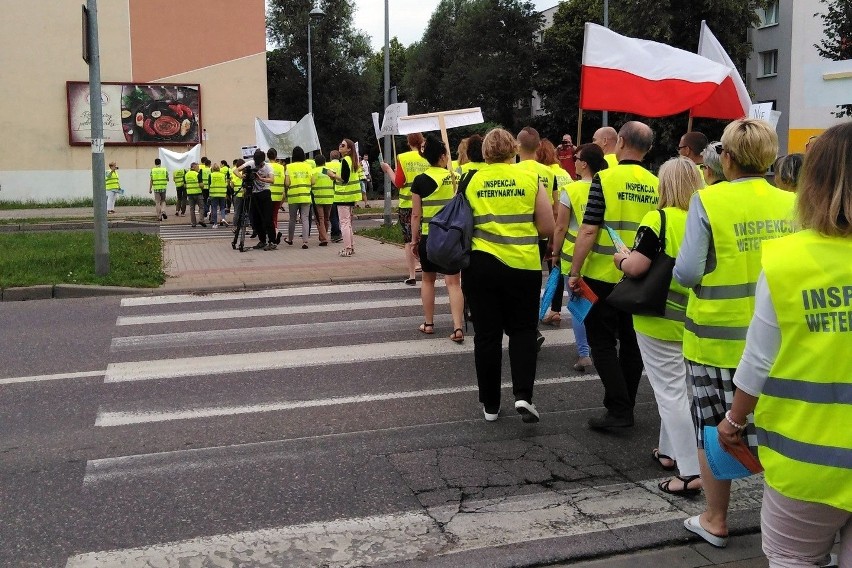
[242, 220]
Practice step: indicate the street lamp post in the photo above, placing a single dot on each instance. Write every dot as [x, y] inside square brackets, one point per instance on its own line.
[316, 12]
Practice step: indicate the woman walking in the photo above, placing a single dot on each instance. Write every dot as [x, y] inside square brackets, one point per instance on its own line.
[660, 338]
[347, 191]
[430, 191]
[503, 280]
[113, 186]
[298, 179]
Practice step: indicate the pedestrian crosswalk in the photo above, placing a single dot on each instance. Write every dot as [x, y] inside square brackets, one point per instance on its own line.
[316, 426]
[187, 231]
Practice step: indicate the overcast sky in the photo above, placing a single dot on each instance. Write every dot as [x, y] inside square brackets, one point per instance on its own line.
[407, 18]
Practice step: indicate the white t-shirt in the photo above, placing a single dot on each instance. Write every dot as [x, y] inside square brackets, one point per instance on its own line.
[265, 170]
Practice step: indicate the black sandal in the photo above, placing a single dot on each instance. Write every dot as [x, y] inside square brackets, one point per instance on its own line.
[685, 491]
[458, 335]
[658, 457]
[427, 328]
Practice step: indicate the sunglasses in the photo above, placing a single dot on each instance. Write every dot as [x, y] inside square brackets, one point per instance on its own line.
[719, 149]
[682, 147]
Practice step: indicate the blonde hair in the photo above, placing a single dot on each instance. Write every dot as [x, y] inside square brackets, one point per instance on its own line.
[499, 146]
[824, 201]
[751, 143]
[679, 179]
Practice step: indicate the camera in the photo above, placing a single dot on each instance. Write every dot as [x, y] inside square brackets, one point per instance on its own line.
[248, 177]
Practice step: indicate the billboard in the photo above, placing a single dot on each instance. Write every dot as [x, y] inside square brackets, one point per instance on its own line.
[157, 114]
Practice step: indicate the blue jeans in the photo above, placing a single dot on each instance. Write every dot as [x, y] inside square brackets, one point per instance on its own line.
[217, 209]
[579, 332]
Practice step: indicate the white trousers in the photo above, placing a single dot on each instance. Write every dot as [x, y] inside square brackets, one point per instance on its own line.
[111, 196]
[666, 371]
[799, 533]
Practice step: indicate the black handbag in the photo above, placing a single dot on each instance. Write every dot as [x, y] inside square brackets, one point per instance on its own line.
[647, 294]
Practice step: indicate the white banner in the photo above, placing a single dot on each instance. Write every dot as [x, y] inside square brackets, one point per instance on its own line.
[376, 128]
[431, 121]
[175, 160]
[285, 135]
[393, 113]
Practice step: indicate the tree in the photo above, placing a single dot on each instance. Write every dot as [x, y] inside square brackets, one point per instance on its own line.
[837, 38]
[343, 83]
[476, 53]
[674, 22]
[399, 56]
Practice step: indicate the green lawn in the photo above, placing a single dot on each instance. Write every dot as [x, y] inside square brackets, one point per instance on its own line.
[83, 202]
[392, 234]
[67, 257]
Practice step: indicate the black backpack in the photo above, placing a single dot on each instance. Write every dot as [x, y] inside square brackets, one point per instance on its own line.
[451, 231]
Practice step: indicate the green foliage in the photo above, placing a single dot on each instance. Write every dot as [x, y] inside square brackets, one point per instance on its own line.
[383, 233]
[343, 82]
[79, 202]
[674, 22]
[476, 53]
[67, 257]
[837, 41]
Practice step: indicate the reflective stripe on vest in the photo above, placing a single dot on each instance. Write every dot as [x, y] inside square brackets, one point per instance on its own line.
[159, 179]
[218, 184]
[112, 183]
[503, 197]
[669, 326]
[742, 215]
[299, 191]
[193, 186]
[323, 189]
[413, 164]
[349, 192]
[578, 195]
[436, 200]
[630, 192]
[276, 188]
[804, 412]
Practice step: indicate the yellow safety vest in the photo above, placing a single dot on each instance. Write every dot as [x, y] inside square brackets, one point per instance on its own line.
[804, 413]
[236, 182]
[468, 166]
[276, 188]
[668, 327]
[349, 192]
[436, 200]
[300, 183]
[413, 164]
[503, 201]
[178, 176]
[611, 160]
[563, 178]
[630, 191]
[193, 183]
[204, 177]
[225, 170]
[311, 162]
[742, 214]
[218, 184]
[323, 189]
[159, 179]
[545, 175]
[578, 195]
[112, 183]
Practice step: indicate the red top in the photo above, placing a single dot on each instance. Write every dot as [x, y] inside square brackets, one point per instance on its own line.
[565, 155]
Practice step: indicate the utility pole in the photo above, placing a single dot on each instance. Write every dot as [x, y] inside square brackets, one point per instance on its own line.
[92, 52]
[388, 152]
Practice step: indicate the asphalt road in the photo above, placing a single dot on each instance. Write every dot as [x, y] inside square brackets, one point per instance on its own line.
[303, 427]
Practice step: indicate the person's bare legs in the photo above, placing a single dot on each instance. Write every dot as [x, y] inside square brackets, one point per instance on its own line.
[453, 282]
[427, 296]
[717, 494]
[411, 261]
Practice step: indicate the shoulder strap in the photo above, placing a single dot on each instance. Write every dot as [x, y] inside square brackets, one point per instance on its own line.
[465, 181]
[662, 230]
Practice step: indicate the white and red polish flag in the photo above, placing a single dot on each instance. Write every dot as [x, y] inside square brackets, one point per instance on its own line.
[647, 78]
[731, 100]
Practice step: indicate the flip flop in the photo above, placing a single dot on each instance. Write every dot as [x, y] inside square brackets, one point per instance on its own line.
[658, 457]
[427, 328]
[458, 335]
[693, 525]
[686, 491]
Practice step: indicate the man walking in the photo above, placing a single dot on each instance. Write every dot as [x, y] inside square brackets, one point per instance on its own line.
[157, 187]
[606, 137]
[619, 197]
[180, 185]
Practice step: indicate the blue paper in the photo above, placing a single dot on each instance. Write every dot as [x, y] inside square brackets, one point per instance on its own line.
[579, 307]
[723, 464]
[616, 240]
[549, 292]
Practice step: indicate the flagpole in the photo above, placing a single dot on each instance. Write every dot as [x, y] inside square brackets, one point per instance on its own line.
[689, 124]
[579, 126]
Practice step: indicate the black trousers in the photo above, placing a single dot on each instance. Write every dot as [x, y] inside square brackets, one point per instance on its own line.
[614, 351]
[335, 222]
[180, 206]
[261, 216]
[502, 300]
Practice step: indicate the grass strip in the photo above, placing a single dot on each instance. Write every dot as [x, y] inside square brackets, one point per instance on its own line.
[383, 233]
[68, 257]
[81, 202]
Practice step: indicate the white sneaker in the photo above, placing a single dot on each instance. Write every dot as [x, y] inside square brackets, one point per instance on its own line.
[215, 225]
[527, 411]
[489, 417]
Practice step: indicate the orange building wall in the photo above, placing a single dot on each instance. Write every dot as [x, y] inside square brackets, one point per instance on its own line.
[165, 43]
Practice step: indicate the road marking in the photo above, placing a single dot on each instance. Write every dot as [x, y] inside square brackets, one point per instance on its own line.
[300, 358]
[268, 311]
[328, 290]
[56, 377]
[107, 419]
[251, 334]
[409, 535]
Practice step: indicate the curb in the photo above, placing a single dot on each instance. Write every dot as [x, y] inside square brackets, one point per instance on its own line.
[75, 226]
[61, 291]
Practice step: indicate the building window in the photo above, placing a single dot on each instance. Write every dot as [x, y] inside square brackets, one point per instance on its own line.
[768, 15]
[768, 63]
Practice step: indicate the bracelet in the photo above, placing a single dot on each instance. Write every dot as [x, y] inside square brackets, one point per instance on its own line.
[621, 262]
[732, 423]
